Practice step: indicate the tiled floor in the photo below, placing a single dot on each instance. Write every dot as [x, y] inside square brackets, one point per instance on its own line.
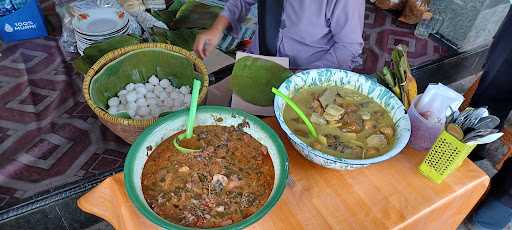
[63, 215]
[101, 226]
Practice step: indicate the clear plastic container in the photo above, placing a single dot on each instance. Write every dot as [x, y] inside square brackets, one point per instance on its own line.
[423, 131]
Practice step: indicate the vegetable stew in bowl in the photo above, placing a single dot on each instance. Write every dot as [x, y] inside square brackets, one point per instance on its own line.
[226, 182]
[350, 124]
[360, 122]
[236, 179]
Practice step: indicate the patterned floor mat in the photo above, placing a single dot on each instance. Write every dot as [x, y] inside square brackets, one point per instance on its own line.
[48, 135]
[383, 31]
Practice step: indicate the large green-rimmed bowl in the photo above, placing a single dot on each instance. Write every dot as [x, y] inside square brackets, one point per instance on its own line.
[364, 85]
[206, 115]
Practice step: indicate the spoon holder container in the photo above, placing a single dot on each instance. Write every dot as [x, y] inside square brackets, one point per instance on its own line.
[445, 156]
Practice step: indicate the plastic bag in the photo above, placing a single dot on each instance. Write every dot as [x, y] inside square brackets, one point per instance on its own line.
[68, 9]
[138, 10]
[67, 40]
[437, 101]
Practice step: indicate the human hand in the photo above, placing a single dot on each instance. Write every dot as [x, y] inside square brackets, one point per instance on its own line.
[206, 42]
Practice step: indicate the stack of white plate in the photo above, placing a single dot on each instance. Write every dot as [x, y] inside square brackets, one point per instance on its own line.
[97, 24]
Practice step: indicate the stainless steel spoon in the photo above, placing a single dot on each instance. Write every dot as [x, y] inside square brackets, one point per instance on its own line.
[461, 119]
[479, 133]
[485, 139]
[474, 117]
[452, 117]
[488, 122]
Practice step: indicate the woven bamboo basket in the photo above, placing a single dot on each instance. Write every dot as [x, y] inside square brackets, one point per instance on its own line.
[129, 129]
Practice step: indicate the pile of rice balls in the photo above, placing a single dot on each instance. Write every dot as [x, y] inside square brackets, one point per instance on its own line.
[148, 100]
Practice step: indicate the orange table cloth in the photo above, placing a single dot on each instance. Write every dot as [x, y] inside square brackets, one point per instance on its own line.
[388, 195]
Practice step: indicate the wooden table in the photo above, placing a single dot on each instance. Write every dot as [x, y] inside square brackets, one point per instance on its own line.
[388, 195]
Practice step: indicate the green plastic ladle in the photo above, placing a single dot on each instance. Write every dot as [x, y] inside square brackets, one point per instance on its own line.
[295, 107]
[190, 121]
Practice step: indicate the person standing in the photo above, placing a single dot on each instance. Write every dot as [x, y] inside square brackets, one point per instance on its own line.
[312, 34]
[495, 91]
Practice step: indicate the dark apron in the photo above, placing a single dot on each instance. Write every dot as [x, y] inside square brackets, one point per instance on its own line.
[269, 21]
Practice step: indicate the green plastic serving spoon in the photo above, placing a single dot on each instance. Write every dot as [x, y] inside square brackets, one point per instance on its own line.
[190, 121]
[295, 107]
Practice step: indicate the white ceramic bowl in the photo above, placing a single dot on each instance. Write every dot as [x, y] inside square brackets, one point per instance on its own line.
[364, 85]
[206, 115]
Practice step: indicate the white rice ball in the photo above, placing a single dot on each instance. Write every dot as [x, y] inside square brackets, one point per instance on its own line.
[185, 89]
[167, 102]
[151, 101]
[131, 96]
[173, 95]
[131, 113]
[158, 89]
[154, 80]
[150, 95]
[131, 106]
[170, 89]
[187, 98]
[114, 101]
[154, 110]
[169, 108]
[179, 97]
[141, 89]
[130, 86]
[149, 87]
[141, 102]
[112, 110]
[122, 99]
[139, 94]
[142, 111]
[122, 108]
[172, 108]
[122, 92]
[162, 95]
[153, 107]
[165, 83]
[177, 105]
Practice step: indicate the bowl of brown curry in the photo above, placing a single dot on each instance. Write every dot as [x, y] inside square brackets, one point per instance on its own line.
[237, 177]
